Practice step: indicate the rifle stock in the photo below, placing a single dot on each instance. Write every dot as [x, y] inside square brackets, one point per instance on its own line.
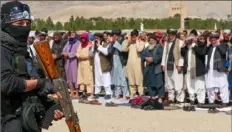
[45, 58]
[44, 55]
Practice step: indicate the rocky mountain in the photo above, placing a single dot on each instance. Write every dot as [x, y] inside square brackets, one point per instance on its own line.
[62, 10]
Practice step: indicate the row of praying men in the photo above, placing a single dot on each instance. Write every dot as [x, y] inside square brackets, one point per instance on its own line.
[129, 65]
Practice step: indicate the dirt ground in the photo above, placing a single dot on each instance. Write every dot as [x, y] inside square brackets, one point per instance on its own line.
[125, 119]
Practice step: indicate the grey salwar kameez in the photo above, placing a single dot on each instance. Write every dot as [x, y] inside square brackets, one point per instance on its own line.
[153, 76]
[118, 72]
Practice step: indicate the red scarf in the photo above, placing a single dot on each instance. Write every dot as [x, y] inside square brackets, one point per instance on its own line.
[84, 45]
[86, 37]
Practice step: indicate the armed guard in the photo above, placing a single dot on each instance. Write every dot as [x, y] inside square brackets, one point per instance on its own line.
[24, 97]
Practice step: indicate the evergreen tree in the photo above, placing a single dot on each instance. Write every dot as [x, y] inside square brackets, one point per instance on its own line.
[49, 24]
[40, 24]
[58, 26]
[99, 23]
[72, 23]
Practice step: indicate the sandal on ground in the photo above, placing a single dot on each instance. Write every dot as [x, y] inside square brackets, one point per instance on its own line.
[213, 111]
[111, 104]
[85, 97]
[94, 102]
[189, 108]
[171, 108]
[84, 101]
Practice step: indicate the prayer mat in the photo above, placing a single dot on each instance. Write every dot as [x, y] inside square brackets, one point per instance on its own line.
[172, 108]
[152, 104]
[209, 106]
[213, 111]
[110, 104]
[94, 102]
[102, 101]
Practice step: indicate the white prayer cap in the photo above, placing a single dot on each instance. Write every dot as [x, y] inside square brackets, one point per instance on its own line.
[227, 31]
[191, 36]
[214, 35]
[42, 33]
[51, 34]
[32, 34]
[171, 31]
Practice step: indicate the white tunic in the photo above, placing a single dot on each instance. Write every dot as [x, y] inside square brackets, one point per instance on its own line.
[173, 79]
[51, 44]
[165, 55]
[195, 85]
[215, 79]
[101, 78]
[32, 52]
[146, 45]
[189, 58]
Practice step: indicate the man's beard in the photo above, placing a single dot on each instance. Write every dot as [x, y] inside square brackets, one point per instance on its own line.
[225, 40]
[214, 44]
[151, 46]
[57, 41]
[200, 42]
[171, 40]
[30, 42]
[106, 39]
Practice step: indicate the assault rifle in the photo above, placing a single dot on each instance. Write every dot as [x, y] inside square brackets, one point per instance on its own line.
[46, 60]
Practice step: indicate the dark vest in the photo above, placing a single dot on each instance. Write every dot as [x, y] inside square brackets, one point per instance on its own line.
[157, 68]
[57, 48]
[199, 59]
[219, 59]
[122, 55]
[105, 61]
[173, 55]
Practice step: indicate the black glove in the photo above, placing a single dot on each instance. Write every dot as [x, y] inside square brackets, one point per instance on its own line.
[44, 87]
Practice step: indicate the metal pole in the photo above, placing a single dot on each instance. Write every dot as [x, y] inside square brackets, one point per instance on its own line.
[231, 10]
[181, 15]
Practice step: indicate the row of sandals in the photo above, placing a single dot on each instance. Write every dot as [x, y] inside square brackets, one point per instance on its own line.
[149, 103]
